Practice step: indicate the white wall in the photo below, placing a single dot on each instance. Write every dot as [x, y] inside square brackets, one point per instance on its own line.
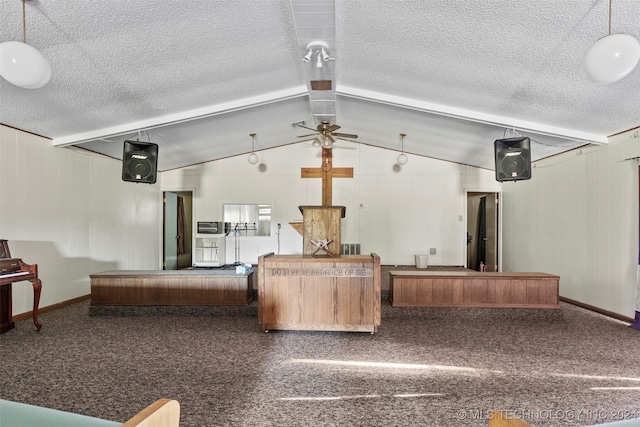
[578, 218]
[404, 211]
[69, 212]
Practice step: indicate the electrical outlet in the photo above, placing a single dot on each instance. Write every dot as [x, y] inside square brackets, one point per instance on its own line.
[432, 251]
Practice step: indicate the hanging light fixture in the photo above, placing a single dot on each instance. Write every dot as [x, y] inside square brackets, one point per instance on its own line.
[324, 54]
[612, 57]
[402, 158]
[320, 48]
[23, 65]
[253, 157]
[307, 57]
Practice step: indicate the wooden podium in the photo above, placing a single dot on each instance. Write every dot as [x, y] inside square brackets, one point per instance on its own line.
[319, 294]
[321, 230]
[320, 290]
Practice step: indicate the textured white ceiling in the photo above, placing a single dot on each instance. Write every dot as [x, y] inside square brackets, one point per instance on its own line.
[198, 77]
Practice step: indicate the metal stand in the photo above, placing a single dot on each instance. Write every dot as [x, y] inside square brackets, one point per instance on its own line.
[236, 247]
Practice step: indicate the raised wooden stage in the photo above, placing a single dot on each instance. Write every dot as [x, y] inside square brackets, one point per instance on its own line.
[210, 287]
[339, 293]
[473, 289]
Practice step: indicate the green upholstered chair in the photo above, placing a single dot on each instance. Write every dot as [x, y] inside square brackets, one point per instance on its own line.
[162, 413]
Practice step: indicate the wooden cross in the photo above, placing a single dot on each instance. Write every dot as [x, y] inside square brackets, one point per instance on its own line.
[327, 172]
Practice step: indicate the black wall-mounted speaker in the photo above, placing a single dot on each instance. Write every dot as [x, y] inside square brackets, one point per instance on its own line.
[139, 162]
[513, 159]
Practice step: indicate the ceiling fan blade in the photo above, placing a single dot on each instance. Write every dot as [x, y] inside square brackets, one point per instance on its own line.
[333, 128]
[346, 146]
[345, 135]
[306, 127]
[307, 142]
[304, 136]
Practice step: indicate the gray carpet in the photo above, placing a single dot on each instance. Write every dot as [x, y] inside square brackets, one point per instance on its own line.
[425, 367]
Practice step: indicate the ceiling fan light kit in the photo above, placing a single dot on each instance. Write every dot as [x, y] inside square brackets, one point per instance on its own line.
[21, 64]
[612, 57]
[326, 135]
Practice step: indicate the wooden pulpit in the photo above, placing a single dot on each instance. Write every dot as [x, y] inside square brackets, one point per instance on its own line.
[321, 230]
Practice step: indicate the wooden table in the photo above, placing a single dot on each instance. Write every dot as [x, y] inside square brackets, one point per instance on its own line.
[339, 293]
[209, 287]
[473, 289]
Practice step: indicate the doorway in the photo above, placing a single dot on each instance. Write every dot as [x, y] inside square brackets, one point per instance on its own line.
[177, 229]
[482, 231]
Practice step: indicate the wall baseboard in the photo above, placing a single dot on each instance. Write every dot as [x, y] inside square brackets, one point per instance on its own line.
[597, 310]
[29, 314]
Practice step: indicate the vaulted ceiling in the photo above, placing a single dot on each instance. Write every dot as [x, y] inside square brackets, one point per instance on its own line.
[197, 78]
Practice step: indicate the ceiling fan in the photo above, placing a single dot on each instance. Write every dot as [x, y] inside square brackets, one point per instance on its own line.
[325, 134]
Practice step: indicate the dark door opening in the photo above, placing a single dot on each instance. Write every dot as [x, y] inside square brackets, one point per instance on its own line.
[177, 230]
[482, 231]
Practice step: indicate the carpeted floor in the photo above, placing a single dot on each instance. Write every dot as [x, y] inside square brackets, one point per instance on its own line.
[425, 367]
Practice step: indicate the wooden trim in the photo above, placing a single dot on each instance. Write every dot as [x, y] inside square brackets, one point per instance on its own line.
[623, 131]
[597, 310]
[26, 131]
[471, 274]
[161, 413]
[29, 314]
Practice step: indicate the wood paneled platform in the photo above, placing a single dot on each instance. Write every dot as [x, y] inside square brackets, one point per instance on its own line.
[339, 293]
[473, 289]
[171, 287]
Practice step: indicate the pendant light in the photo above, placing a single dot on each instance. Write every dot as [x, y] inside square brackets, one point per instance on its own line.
[253, 157]
[612, 57]
[402, 158]
[23, 65]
